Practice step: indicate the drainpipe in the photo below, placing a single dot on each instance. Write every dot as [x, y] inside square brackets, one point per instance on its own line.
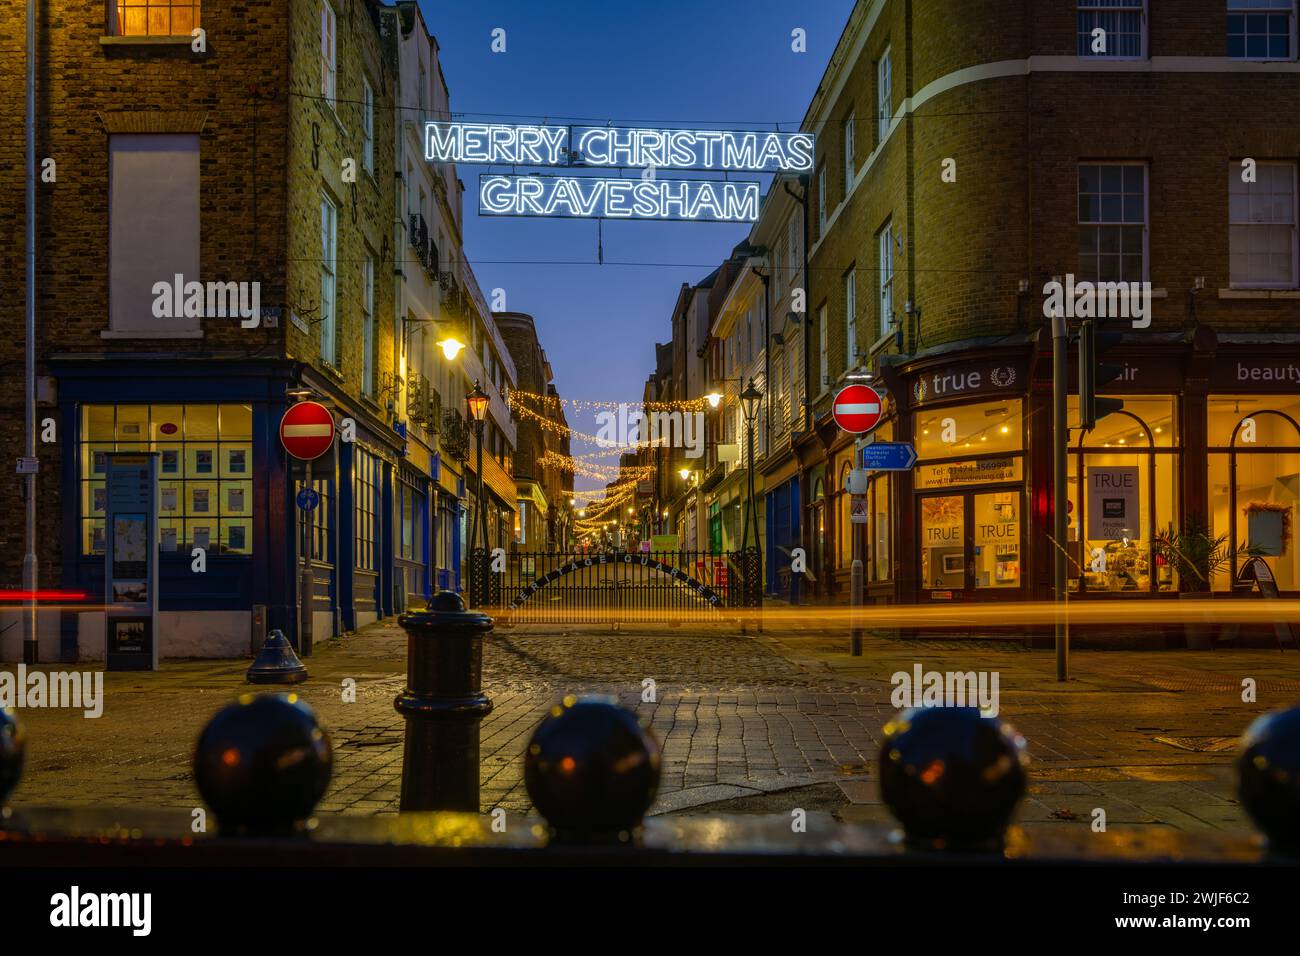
[30, 570]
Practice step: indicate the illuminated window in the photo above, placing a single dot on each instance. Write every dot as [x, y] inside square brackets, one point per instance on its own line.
[156, 18]
[1129, 496]
[365, 487]
[1254, 482]
[205, 468]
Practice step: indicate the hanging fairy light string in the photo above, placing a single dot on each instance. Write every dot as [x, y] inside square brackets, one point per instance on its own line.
[555, 403]
[564, 430]
[553, 459]
[599, 512]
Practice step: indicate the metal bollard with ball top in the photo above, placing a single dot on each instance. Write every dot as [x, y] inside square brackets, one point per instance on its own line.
[952, 777]
[443, 704]
[13, 749]
[592, 771]
[262, 764]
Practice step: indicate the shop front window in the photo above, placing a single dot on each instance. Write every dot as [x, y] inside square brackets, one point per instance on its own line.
[880, 527]
[943, 532]
[365, 492]
[845, 520]
[1254, 483]
[1127, 496]
[205, 467]
[981, 429]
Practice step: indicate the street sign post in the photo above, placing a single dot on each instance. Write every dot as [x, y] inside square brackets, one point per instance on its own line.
[887, 456]
[857, 408]
[858, 510]
[307, 430]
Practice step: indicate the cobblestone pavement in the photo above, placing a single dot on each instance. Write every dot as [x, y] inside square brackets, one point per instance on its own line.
[759, 721]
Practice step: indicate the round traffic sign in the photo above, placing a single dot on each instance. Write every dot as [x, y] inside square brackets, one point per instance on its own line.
[308, 499]
[857, 408]
[307, 430]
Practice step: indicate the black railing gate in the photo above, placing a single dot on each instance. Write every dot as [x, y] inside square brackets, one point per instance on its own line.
[616, 586]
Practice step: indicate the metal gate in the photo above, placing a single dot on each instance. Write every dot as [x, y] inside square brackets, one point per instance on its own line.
[615, 586]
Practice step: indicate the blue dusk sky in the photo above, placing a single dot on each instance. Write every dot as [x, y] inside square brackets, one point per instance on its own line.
[720, 64]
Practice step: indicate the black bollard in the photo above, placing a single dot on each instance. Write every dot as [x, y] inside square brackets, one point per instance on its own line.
[13, 748]
[1268, 779]
[443, 704]
[262, 764]
[952, 777]
[592, 771]
[276, 663]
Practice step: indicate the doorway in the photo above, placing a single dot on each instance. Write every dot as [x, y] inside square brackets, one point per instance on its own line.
[970, 545]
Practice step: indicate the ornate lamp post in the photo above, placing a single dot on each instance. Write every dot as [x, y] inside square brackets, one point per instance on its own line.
[477, 402]
[749, 400]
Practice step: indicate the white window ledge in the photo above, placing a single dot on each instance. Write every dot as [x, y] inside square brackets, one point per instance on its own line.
[151, 334]
[1259, 293]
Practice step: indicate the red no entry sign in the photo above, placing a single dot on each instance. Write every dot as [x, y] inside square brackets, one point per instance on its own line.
[307, 430]
[857, 408]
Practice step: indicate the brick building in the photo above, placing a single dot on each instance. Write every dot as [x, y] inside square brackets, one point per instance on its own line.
[967, 154]
[260, 152]
[544, 490]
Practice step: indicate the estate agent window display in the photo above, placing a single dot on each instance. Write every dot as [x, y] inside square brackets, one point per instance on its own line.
[969, 498]
[1128, 498]
[205, 487]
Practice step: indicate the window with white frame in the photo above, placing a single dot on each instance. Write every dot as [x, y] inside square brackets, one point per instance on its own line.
[885, 260]
[328, 64]
[368, 326]
[368, 125]
[821, 201]
[1262, 243]
[328, 281]
[1112, 28]
[1112, 222]
[884, 95]
[1262, 29]
[849, 167]
[823, 361]
[850, 318]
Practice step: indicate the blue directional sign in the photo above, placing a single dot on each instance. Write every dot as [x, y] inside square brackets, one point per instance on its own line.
[887, 456]
[308, 499]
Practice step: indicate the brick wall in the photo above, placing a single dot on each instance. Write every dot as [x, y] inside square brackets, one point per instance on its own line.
[234, 95]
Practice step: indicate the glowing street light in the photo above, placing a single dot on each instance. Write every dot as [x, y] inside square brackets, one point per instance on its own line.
[451, 347]
[713, 399]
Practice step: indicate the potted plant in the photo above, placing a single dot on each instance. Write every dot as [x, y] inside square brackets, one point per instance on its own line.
[1198, 554]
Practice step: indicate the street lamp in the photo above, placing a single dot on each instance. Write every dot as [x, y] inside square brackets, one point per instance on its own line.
[477, 403]
[749, 400]
[713, 399]
[451, 347]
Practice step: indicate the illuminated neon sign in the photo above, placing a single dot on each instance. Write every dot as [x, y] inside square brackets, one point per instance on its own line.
[593, 197]
[618, 147]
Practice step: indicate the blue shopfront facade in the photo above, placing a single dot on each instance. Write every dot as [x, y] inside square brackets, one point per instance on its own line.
[228, 487]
